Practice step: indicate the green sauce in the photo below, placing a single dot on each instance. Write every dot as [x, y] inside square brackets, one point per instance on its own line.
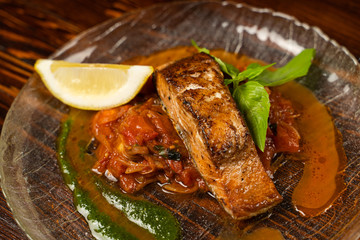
[144, 219]
[155, 219]
[100, 224]
[68, 171]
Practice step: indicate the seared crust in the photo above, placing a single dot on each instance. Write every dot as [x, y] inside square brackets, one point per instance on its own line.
[203, 111]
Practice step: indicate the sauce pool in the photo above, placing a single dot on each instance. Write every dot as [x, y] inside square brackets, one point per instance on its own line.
[263, 233]
[321, 151]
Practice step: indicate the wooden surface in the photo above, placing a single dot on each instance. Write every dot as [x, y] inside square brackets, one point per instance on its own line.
[32, 29]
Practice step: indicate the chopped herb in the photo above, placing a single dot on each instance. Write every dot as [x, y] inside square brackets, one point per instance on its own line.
[162, 151]
[251, 72]
[158, 148]
[296, 67]
[172, 154]
[168, 153]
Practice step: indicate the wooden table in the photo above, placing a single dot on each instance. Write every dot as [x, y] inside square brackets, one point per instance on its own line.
[32, 29]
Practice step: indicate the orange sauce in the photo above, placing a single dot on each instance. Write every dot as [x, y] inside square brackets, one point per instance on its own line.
[321, 150]
[263, 234]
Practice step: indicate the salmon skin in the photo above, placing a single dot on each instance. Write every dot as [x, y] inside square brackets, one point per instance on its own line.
[193, 93]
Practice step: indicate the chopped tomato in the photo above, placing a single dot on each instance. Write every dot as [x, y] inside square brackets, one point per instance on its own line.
[137, 129]
[103, 156]
[138, 145]
[176, 166]
[281, 136]
[110, 115]
[128, 183]
[269, 150]
[188, 176]
[116, 168]
[287, 138]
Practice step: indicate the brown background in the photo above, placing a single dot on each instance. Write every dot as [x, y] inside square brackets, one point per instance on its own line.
[32, 29]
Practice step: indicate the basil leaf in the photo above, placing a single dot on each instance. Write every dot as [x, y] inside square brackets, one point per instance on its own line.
[225, 67]
[204, 50]
[253, 102]
[297, 67]
[227, 81]
[251, 72]
[254, 65]
[254, 70]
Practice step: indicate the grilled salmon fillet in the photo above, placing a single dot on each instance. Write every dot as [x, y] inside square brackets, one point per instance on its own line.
[193, 93]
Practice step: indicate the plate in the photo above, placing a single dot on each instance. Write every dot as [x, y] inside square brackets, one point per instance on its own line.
[30, 177]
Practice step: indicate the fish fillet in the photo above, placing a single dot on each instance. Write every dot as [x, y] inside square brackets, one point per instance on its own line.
[218, 140]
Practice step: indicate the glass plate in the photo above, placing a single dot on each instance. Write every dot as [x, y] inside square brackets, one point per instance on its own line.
[30, 176]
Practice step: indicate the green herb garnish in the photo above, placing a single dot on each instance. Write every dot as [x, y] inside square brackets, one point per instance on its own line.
[168, 153]
[172, 154]
[251, 97]
[296, 67]
[253, 102]
[159, 148]
[225, 67]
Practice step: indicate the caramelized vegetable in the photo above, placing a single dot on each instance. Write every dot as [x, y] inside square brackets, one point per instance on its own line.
[139, 145]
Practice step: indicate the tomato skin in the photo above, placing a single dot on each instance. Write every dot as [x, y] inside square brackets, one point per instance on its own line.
[101, 165]
[101, 124]
[282, 115]
[109, 115]
[137, 129]
[269, 150]
[128, 183]
[176, 166]
[188, 176]
[116, 168]
[287, 138]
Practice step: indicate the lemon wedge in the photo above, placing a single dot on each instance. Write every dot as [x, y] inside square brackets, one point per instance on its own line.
[92, 86]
